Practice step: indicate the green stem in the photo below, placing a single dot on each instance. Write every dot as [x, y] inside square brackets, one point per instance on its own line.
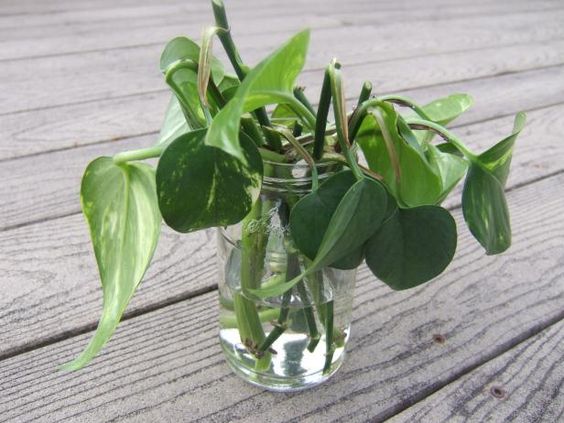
[140, 154]
[405, 102]
[322, 112]
[229, 321]
[233, 54]
[301, 110]
[309, 316]
[303, 153]
[281, 324]
[341, 120]
[365, 92]
[329, 348]
[250, 327]
[300, 95]
[444, 133]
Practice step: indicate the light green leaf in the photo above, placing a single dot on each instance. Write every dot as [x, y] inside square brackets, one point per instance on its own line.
[358, 215]
[483, 199]
[200, 186]
[120, 205]
[443, 111]
[419, 183]
[182, 48]
[498, 158]
[451, 168]
[412, 246]
[179, 63]
[271, 81]
[174, 123]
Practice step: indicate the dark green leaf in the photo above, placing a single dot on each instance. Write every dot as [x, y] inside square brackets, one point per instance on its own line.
[483, 199]
[358, 215]
[201, 186]
[311, 215]
[120, 205]
[485, 210]
[271, 81]
[412, 246]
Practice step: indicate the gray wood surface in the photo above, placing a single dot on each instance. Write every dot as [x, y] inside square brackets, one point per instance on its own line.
[80, 78]
[167, 365]
[523, 384]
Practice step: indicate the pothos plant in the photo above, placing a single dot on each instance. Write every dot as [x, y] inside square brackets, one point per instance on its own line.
[217, 138]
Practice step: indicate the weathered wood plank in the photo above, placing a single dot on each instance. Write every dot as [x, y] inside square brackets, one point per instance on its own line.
[74, 125]
[57, 190]
[167, 365]
[50, 270]
[103, 75]
[9, 17]
[444, 32]
[524, 384]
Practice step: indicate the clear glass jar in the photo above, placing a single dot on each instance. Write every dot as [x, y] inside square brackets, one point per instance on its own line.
[296, 340]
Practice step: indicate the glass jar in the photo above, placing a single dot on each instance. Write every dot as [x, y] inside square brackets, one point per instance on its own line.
[296, 340]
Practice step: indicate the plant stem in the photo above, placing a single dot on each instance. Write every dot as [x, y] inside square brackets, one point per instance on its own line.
[341, 120]
[281, 324]
[228, 321]
[365, 92]
[405, 102]
[140, 154]
[329, 350]
[444, 133]
[248, 321]
[233, 54]
[300, 95]
[310, 317]
[322, 112]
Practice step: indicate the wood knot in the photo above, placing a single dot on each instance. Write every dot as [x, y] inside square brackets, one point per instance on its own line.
[439, 339]
[498, 392]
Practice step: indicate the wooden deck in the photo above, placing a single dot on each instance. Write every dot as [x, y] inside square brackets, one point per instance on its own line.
[80, 79]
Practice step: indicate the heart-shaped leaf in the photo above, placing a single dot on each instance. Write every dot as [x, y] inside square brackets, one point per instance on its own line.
[271, 81]
[201, 186]
[120, 205]
[419, 183]
[358, 215]
[483, 199]
[412, 246]
[311, 215]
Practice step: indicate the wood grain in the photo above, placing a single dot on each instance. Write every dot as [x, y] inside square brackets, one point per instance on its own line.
[34, 16]
[103, 75]
[166, 365]
[522, 385]
[422, 27]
